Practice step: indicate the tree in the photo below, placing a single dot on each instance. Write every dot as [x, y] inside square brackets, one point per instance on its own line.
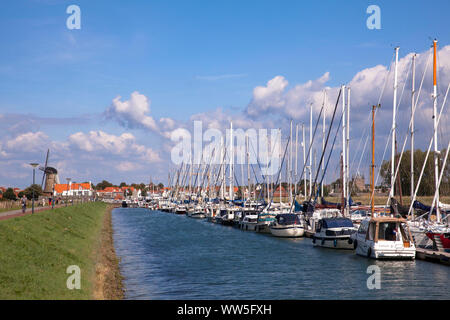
[102, 185]
[240, 193]
[144, 193]
[122, 184]
[9, 194]
[427, 184]
[160, 186]
[29, 191]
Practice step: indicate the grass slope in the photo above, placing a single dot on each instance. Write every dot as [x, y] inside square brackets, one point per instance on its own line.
[35, 251]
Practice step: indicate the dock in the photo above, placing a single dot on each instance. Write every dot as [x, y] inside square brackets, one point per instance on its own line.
[433, 256]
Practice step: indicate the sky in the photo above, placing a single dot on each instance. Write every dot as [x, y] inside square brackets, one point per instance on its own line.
[105, 98]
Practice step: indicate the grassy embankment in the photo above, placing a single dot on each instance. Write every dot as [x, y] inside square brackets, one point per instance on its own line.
[35, 251]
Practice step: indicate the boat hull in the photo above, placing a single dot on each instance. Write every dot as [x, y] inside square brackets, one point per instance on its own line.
[262, 228]
[387, 254]
[292, 231]
[444, 237]
[197, 216]
[333, 242]
[248, 226]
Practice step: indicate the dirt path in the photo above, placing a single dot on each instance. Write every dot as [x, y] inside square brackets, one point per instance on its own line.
[108, 284]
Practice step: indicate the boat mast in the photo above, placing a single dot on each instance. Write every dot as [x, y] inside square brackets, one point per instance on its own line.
[347, 151]
[315, 167]
[413, 95]
[344, 129]
[304, 160]
[296, 159]
[323, 138]
[392, 193]
[436, 152]
[310, 146]
[290, 167]
[223, 167]
[342, 185]
[248, 169]
[281, 173]
[267, 171]
[372, 175]
[241, 187]
[231, 163]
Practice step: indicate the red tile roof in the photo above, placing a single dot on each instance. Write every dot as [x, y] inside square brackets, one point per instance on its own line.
[60, 188]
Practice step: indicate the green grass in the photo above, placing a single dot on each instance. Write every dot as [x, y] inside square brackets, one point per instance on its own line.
[9, 209]
[35, 251]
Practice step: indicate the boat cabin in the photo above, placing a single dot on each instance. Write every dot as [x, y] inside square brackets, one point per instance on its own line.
[386, 229]
[335, 226]
[287, 219]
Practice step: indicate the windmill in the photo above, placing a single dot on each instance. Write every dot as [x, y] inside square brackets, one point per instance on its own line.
[49, 176]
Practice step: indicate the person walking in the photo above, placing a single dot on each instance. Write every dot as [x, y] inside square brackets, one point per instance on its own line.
[24, 203]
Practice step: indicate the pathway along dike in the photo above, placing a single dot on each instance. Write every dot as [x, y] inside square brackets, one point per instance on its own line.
[37, 250]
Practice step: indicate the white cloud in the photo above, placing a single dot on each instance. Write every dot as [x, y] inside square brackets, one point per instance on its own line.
[268, 97]
[100, 142]
[127, 166]
[132, 113]
[28, 142]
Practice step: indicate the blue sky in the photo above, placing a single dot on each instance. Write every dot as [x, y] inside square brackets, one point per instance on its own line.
[188, 57]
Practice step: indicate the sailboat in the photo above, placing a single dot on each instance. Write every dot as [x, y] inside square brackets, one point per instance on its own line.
[427, 231]
[383, 237]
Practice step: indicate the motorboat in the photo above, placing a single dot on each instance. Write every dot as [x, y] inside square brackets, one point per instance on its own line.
[287, 225]
[334, 233]
[180, 209]
[384, 238]
[249, 221]
[198, 212]
[227, 216]
[265, 219]
[313, 219]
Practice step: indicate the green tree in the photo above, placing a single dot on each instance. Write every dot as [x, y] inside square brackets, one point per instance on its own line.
[9, 194]
[122, 184]
[240, 193]
[102, 185]
[160, 186]
[427, 184]
[29, 191]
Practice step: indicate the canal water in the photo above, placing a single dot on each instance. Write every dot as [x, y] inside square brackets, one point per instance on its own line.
[168, 256]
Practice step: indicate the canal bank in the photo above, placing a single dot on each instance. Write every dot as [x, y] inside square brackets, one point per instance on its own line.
[40, 253]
